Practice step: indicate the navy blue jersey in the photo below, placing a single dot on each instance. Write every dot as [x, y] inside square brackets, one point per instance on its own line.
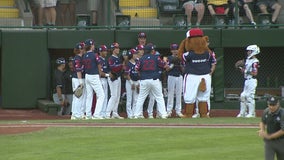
[78, 66]
[177, 69]
[150, 66]
[198, 64]
[91, 62]
[131, 71]
[104, 64]
[115, 65]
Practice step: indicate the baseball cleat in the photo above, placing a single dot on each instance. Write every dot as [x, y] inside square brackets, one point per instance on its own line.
[250, 116]
[96, 118]
[196, 115]
[240, 115]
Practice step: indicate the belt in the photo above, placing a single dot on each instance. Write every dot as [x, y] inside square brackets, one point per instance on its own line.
[175, 75]
[250, 78]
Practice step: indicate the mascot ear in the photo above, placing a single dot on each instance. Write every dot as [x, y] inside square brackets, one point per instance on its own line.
[181, 49]
[206, 38]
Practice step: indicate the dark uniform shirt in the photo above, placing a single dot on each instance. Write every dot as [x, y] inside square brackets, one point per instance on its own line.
[149, 66]
[176, 70]
[91, 61]
[78, 66]
[68, 81]
[274, 121]
[58, 81]
[198, 64]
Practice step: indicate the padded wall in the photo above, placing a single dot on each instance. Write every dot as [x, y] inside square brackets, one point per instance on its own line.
[24, 68]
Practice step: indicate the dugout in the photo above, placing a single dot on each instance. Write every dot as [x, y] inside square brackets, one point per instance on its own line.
[27, 56]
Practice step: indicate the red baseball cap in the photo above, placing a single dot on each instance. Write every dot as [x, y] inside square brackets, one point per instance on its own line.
[194, 32]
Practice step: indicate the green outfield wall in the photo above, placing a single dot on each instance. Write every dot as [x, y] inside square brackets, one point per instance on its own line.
[26, 61]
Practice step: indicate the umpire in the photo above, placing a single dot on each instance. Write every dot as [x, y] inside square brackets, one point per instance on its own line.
[272, 129]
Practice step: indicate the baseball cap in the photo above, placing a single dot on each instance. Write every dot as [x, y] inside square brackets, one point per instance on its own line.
[174, 46]
[80, 45]
[114, 45]
[60, 60]
[132, 51]
[139, 47]
[194, 32]
[272, 100]
[71, 58]
[89, 42]
[149, 47]
[141, 35]
[103, 48]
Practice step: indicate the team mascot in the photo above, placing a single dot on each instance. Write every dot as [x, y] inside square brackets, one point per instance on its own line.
[200, 63]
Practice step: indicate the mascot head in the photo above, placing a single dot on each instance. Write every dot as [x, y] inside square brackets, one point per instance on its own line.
[195, 41]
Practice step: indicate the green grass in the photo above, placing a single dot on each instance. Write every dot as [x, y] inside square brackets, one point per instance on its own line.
[219, 120]
[99, 143]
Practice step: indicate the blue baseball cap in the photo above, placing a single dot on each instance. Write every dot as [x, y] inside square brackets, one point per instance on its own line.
[89, 42]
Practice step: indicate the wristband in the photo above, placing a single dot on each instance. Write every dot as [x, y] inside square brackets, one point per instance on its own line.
[106, 75]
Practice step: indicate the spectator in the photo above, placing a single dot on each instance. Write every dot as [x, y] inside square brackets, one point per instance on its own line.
[270, 6]
[217, 7]
[93, 7]
[59, 85]
[64, 6]
[50, 12]
[244, 8]
[150, 83]
[37, 10]
[189, 6]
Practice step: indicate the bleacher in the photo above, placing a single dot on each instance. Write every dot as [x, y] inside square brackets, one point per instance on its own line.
[14, 13]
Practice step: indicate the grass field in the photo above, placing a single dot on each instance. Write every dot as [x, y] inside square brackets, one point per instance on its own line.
[136, 143]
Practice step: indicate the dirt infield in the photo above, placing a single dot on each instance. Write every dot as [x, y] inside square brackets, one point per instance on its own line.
[34, 114]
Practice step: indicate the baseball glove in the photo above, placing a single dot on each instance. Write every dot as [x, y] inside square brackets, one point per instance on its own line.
[79, 91]
[114, 76]
[240, 64]
[176, 61]
[202, 85]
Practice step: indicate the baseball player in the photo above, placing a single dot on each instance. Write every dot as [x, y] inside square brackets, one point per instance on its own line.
[92, 67]
[148, 67]
[114, 81]
[198, 70]
[78, 78]
[174, 81]
[59, 85]
[140, 49]
[151, 103]
[131, 83]
[104, 74]
[250, 71]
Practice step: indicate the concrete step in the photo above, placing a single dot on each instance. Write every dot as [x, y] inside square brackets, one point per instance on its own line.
[134, 3]
[11, 22]
[7, 3]
[141, 12]
[9, 12]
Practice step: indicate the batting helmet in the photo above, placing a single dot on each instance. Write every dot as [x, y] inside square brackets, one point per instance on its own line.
[254, 48]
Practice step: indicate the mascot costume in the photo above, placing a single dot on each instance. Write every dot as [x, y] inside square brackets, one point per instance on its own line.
[200, 63]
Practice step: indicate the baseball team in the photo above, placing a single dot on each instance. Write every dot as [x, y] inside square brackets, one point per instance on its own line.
[141, 68]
